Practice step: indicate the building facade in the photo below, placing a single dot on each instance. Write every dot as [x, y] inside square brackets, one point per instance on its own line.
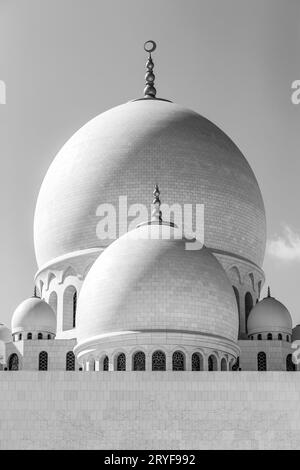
[138, 299]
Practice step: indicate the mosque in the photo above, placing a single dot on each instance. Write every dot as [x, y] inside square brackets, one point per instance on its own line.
[142, 301]
[147, 303]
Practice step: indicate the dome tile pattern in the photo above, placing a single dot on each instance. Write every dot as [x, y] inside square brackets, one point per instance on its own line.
[141, 284]
[124, 151]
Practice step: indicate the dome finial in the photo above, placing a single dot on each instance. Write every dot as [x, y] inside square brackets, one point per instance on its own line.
[269, 291]
[35, 293]
[156, 212]
[149, 90]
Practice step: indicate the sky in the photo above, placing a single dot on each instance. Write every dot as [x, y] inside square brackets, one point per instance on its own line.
[65, 61]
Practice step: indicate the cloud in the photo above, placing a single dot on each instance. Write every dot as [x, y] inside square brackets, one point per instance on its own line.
[285, 247]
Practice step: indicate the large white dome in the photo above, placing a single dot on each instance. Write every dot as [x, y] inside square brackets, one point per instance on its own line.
[124, 151]
[151, 284]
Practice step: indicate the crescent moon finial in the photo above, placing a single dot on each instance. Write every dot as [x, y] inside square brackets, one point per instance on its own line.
[150, 46]
[149, 90]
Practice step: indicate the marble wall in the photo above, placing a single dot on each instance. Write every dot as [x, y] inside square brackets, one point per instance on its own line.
[149, 410]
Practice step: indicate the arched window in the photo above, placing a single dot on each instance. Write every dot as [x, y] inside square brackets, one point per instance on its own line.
[270, 336]
[74, 308]
[197, 362]
[237, 297]
[259, 288]
[139, 361]
[13, 362]
[251, 338]
[248, 306]
[287, 338]
[69, 308]
[212, 363]
[259, 337]
[49, 336]
[43, 360]
[158, 360]
[41, 288]
[121, 362]
[261, 361]
[40, 336]
[20, 337]
[223, 364]
[53, 301]
[105, 363]
[280, 336]
[236, 365]
[29, 335]
[290, 366]
[70, 361]
[178, 360]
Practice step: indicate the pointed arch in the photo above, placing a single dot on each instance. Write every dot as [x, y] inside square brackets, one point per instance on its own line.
[212, 363]
[158, 360]
[251, 277]
[259, 288]
[51, 277]
[178, 360]
[235, 275]
[70, 360]
[197, 361]
[74, 308]
[41, 287]
[121, 362]
[248, 307]
[53, 301]
[261, 361]
[68, 272]
[13, 362]
[105, 363]
[69, 307]
[43, 360]
[139, 361]
[237, 298]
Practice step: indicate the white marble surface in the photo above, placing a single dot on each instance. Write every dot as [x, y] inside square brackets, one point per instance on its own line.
[149, 410]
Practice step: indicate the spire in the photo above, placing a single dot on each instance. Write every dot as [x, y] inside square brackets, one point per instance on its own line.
[149, 90]
[35, 293]
[269, 291]
[156, 214]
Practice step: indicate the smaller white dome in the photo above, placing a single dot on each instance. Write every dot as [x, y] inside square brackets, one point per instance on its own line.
[5, 334]
[269, 316]
[33, 315]
[148, 281]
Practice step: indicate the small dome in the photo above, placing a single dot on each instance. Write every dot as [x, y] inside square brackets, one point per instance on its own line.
[147, 281]
[296, 333]
[5, 334]
[269, 316]
[34, 315]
